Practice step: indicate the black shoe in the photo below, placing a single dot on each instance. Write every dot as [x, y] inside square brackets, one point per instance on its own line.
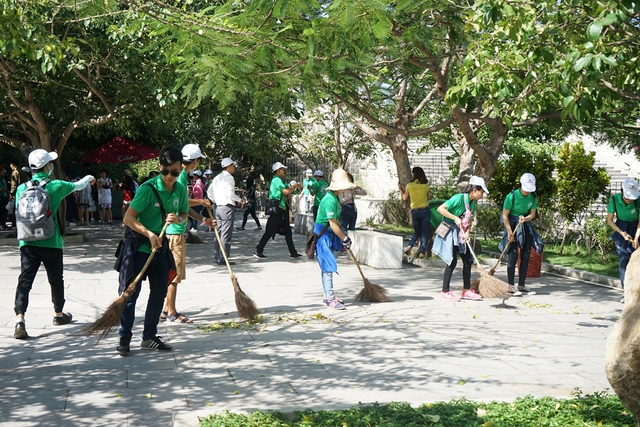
[259, 255]
[240, 228]
[154, 343]
[224, 263]
[20, 332]
[62, 320]
[295, 256]
[526, 291]
[258, 228]
[124, 349]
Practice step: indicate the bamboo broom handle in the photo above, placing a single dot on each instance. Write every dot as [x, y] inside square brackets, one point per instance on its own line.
[224, 253]
[353, 257]
[505, 249]
[151, 255]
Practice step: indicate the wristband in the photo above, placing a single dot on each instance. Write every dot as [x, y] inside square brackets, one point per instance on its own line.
[180, 219]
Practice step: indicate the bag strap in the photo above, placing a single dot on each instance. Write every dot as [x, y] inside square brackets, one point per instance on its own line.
[155, 191]
[324, 230]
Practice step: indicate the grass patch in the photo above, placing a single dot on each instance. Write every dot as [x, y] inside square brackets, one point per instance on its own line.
[572, 257]
[394, 228]
[598, 409]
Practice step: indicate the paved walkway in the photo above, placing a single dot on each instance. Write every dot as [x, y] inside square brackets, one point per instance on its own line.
[416, 349]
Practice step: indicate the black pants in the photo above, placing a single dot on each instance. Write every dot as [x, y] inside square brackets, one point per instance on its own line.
[30, 259]
[274, 224]
[467, 261]
[250, 209]
[3, 211]
[525, 254]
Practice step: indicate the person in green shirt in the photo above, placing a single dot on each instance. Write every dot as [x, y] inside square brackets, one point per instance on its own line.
[148, 212]
[626, 232]
[191, 156]
[307, 185]
[332, 238]
[318, 191]
[459, 210]
[419, 193]
[519, 207]
[46, 251]
[277, 191]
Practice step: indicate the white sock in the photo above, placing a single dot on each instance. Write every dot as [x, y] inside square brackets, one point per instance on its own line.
[20, 320]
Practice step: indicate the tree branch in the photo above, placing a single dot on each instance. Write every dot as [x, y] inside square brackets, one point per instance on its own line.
[623, 93]
[94, 90]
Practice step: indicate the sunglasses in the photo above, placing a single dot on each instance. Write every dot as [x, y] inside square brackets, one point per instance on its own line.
[166, 172]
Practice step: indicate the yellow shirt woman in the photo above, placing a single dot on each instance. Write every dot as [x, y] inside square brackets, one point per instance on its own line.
[418, 194]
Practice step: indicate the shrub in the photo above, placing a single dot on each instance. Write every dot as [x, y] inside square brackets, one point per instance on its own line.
[489, 221]
[597, 234]
[395, 211]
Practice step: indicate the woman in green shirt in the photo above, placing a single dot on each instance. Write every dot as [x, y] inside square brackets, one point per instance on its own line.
[626, 232]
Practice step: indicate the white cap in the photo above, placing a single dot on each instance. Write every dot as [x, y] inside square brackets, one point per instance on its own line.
[208, 172]
[318, 173]
[276, 166]
[226, 162]
[629, 188]
[197, 172]
[340, 180]
[308, 172]
[38, 158]
[26, 169]
[293, 183]
[476, 180]
[191, 152]
[528, 182]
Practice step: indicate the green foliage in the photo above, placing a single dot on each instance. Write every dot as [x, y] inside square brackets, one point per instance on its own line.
[579, 184]
[524, 155]
[598, 235]
[394, 210]
[489, 221]
[598, 409]
[444, 191]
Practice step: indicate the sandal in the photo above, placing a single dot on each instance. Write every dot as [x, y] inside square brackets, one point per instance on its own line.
[163, 316]
[179, 317]
[407, 250]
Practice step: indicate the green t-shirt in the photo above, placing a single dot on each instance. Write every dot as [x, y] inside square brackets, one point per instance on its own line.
[146, 204]
[418, 194]
[455, 204]
[275, 191]
[320, 187]
[624, 212]
[180, 228]
[518, 205]
[305, 185]
[57, 190]
[329, 208]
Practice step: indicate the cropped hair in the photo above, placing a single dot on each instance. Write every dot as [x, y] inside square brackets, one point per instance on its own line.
[170, 155]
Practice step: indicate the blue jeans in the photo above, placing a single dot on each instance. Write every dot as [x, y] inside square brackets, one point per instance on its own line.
[327, 285]
[421, 219]
[158, 278]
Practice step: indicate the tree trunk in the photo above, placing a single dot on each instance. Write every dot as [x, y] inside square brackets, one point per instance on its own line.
[465, 165]
[564, 236]
[336, 136]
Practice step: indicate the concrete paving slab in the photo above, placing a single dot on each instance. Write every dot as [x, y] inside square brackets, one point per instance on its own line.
[416, 348]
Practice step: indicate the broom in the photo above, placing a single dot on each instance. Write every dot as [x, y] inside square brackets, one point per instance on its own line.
[111, 317]
[475, 283]
[245, 305]
[489, 286]
[370, 292]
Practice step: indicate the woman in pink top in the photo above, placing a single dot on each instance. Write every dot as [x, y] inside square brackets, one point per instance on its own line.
[198, 193]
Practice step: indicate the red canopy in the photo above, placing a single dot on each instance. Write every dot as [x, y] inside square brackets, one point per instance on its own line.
[119, 150]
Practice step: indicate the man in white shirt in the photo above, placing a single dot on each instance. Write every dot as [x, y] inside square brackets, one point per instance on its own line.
[222, 193]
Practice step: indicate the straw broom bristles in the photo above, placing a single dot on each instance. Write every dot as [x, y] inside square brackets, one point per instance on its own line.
[245, 305]
[370, 292]
[111, 317]
[475, 285]
[489, 286]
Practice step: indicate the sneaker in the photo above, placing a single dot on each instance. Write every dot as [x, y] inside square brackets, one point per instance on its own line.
[295, 256]
[124, 349]
[257, 229]
[526, 291]
[514, 292]
[20, 333]
[240, 228]
[449, 296]
[259, 255]
[62, 320]
[154, 343]
[470, 294]
[335, 304]
[224, 263]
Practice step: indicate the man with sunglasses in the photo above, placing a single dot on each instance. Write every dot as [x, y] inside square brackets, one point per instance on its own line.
[158, 197]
